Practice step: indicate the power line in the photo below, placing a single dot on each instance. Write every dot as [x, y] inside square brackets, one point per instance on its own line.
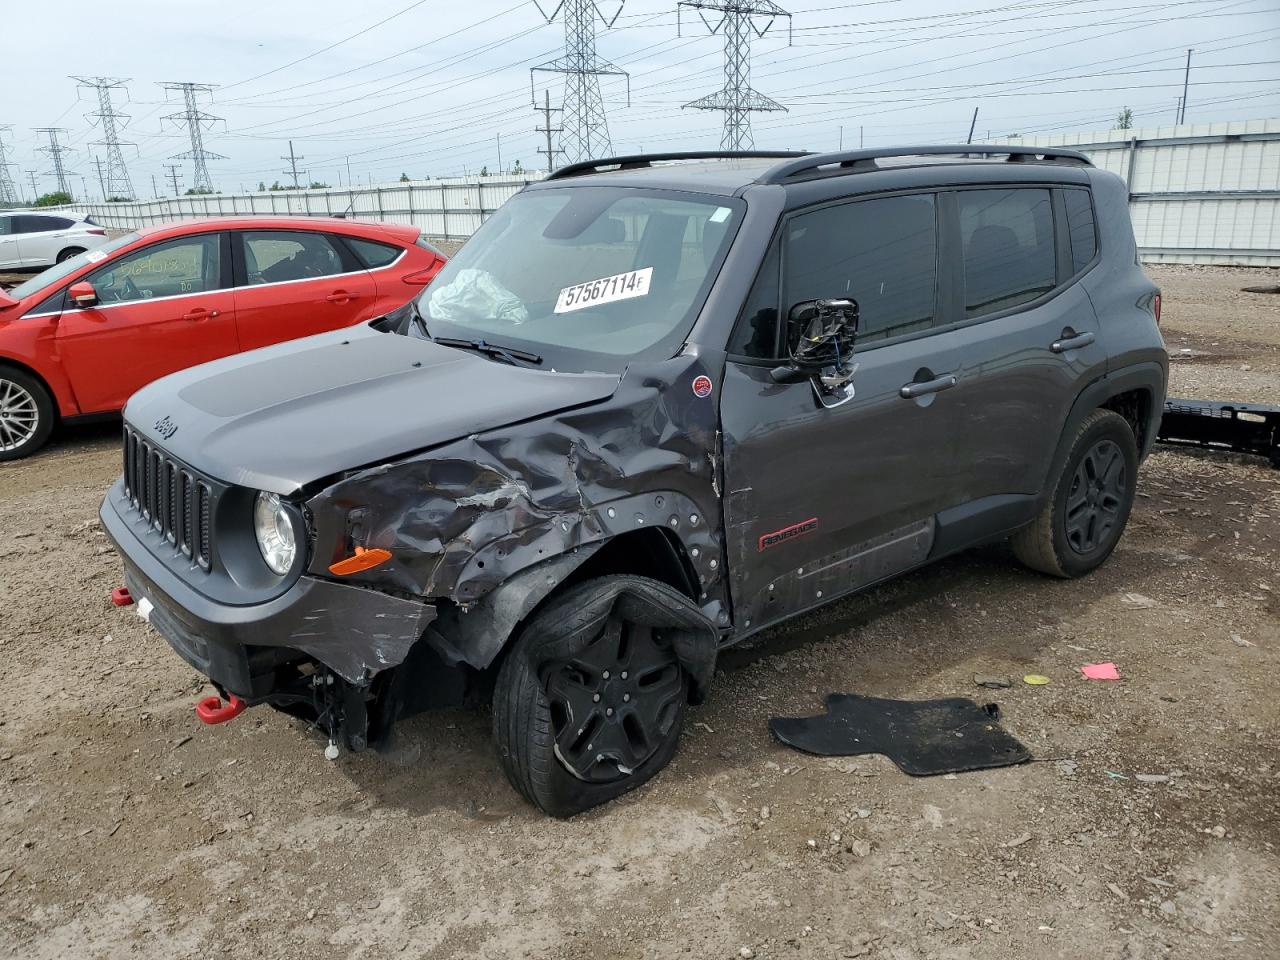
[117, 182]
[55, 150]
[736, 99]
[586, 129]
[195, 120]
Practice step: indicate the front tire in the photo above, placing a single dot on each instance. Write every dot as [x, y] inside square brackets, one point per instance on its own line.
[587, 708]
[1083, 518]
[26, 414]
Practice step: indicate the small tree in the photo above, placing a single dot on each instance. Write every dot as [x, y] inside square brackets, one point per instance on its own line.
[317, 185]
[262, 186]
[114, 199]
[484, 171]
[517, 169]
[55, 199]
[1124, 120]
[276, 186]
[194, 192]
[404, 178]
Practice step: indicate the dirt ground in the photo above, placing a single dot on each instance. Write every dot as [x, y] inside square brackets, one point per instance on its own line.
[1147, 827]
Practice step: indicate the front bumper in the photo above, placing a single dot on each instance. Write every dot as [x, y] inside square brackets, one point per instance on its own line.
[354, 631]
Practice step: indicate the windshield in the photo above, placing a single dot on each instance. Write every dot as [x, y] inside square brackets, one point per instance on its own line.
[589, 278]
[69, 266]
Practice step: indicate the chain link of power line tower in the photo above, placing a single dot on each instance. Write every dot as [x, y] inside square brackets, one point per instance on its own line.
[8, 192]
[55, 151]
[117, 179]
[196, 121]
[585, 133]
[736, 99]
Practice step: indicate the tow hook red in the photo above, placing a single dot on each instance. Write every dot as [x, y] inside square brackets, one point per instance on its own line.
[212, 710]
[121, 597]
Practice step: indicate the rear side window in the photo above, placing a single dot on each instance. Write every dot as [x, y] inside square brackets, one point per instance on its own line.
[1084, 240]
[372, 253]
[6, 224]
[28, 223]
[277, 256]
[1009, 256]
[882, 253]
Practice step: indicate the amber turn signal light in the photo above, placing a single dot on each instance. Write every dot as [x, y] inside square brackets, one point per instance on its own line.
[363, 560]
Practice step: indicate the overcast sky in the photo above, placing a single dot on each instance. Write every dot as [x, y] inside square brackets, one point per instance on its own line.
[439, 88]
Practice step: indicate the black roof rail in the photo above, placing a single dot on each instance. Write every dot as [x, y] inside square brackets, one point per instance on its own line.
[647, 160]
[853, 161]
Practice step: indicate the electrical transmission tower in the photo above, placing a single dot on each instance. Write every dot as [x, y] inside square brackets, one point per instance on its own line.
[55, 150]
[118, 183]
[8, 192]
[196, 121]
[293, 165]
[738, 101]
[585, 133]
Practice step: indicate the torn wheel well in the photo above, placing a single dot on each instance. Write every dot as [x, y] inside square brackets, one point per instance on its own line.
[649, 552]
[1135, 407]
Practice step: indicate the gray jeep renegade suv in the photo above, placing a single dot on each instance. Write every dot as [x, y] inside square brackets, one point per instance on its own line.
[649, 409]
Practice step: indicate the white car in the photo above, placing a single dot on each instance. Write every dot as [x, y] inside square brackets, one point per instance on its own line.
[39, 240]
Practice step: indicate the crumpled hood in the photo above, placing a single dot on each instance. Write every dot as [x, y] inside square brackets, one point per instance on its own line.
[278, 418]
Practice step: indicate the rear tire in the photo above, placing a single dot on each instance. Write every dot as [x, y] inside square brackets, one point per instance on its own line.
[26, 414]
[582, 715]
[68, 253]
[1085, 514]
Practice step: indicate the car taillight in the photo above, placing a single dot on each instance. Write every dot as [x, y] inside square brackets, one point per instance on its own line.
[1156, 304]
[97, 232]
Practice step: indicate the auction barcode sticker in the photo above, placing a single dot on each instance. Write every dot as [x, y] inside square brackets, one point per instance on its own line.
[621, 286]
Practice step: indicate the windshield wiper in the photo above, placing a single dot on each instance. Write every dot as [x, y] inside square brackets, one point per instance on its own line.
[491, 349]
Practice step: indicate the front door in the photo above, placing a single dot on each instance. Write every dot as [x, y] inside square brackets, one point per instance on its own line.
[822, 500]
[160, 309]
[297, 283]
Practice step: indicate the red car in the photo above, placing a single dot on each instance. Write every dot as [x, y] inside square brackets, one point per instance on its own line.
[78, 339]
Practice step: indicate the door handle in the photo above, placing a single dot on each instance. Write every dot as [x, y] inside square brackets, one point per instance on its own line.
[340, 296]
[912, 390]
[1072, 343]
[200, 313]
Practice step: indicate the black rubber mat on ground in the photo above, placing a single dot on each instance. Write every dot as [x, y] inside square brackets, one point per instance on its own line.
[923, 737]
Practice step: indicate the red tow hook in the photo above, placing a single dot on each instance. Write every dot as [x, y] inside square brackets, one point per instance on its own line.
[212, 710]
[121, 597]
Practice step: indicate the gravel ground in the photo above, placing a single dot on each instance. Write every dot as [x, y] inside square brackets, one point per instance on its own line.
[1146, 828]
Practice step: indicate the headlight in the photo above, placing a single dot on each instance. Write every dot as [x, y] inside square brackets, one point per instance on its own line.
[274, 530]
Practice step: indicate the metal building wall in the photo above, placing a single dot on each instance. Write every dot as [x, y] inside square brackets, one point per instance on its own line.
[1198, 193]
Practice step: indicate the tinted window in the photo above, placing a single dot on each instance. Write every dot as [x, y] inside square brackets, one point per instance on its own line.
[756, 334]
[373, 254]
[1008, 248]
[277, 256]
[5, 223]
[881, 253]
[189, 265]
[27, 223]
[1084, 242]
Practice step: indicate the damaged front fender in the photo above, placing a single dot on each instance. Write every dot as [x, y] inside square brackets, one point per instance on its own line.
[464, 518]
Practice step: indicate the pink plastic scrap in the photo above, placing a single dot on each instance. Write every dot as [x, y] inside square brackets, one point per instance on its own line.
[1100, 671]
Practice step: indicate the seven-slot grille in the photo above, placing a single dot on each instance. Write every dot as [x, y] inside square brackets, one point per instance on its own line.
[174, 500]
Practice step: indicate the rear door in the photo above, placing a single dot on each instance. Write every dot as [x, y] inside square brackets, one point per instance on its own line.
[161, 308]
[1032, 340]
[40, 237]
[294, 283]
[821, 500]
[9, 256]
